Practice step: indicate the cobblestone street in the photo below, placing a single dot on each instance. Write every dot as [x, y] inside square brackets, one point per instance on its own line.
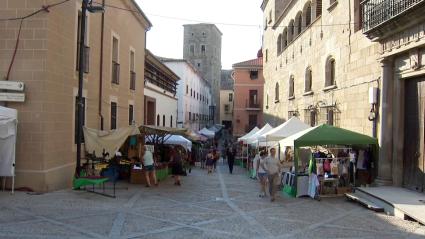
[205, 206]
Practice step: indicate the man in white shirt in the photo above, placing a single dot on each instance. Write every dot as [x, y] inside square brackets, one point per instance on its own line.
[272, 166]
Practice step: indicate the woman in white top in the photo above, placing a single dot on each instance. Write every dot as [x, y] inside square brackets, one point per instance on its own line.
[261, 173]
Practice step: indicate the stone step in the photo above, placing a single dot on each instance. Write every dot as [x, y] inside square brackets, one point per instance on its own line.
[359, 197]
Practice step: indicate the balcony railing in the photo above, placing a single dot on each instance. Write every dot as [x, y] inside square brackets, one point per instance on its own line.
[115, 72]
[132, 80]
[252, 106]
[377, 12]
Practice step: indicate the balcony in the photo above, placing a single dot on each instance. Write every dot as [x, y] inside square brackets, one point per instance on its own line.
[132, 80]
[382, 18]
[252, 106]
[115, 72]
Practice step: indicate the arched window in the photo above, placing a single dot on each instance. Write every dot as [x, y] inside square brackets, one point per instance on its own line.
[291, 31]
[279, 44]
[276, 92]
[299, 23]
[318, 8]
[284, 38]
[291, 87]
[158, 120]
[163, 120]
[308, 80]
[330, 72]
[307, 14]
[171, 121]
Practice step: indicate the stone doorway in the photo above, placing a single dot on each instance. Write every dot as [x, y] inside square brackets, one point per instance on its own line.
[413, 162]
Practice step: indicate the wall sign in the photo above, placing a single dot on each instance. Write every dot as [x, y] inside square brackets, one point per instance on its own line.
[12, 85]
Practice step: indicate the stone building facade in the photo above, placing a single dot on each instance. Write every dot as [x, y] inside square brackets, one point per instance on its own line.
[226, 98]
[318, 65]
[46, 61]
[248, 92]
[399, 28]
[193, 94]
[160, 93]
[202, 48]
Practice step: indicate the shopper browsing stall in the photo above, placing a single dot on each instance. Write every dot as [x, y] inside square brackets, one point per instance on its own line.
[149, 165]
[272, 166]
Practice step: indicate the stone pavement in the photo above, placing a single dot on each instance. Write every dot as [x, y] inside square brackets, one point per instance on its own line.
[205, 206]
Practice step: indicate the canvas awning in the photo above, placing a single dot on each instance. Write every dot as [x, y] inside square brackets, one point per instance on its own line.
[327, 135]
[175, 140]
[192, 135]
[206, 132]
[266, 128]
[253, 131]
[290, 127]
[110, 141]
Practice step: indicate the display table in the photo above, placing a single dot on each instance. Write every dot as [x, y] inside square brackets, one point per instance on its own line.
[137, 176]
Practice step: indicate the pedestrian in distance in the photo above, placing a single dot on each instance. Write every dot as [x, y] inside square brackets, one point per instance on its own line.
[272, 166]
[230, 158]
[210, 161]
[261, 173]
[216, 157]
[149, 165]
[176, 166]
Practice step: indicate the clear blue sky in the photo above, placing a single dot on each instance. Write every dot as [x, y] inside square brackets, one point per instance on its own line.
[239, 43]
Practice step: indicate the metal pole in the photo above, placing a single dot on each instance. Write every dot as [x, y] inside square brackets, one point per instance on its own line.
[80, 84]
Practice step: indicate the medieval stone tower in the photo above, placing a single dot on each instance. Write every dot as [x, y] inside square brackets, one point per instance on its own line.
[202, 48]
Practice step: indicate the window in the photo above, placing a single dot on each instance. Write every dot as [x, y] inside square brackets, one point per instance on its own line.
[187, 89]
[199, 64]
[279, 44]
[310, 117]
[307, 14]
[253, 98]
[358, 16]
[308, 80]
[192, 49]
[252, 122]
[190, 116]
[86, 48]
[284, 38]
[115, 64]
[230, 97]
[113, 115]
[291, 87]
[299, 23]
[76, 118]
[267, 101]
[158, 120]
[330, 117]
[130, 114]
[226, 108]
[191, 92]
[132, 71]
[276, 92]
[318, 8]
[171, 121]
[253, 74]
[291, 31]
[163, 120]
[267, 55]
[203, 50]
[330, 72]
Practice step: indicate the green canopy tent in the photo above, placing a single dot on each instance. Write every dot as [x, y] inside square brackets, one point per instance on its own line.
[326, 135]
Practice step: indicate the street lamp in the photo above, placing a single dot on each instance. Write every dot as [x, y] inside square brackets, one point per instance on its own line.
[86, 5]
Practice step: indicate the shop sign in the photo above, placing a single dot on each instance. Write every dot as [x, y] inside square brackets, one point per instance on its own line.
[12, 97]
[12, 85]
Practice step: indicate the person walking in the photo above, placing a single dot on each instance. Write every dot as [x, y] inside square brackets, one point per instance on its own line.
[272, 167]
[209, 161]
[216, 157]
[230, 158]
[261, 173]
[149, 165]
[176, 166]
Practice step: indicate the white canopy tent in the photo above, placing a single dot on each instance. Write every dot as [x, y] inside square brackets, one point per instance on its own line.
[290, 127]
[176, 140]
[206, 132]
[253, 131]
[8, 132]
[266, 128]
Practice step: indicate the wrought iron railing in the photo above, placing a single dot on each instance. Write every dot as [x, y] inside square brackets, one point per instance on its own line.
[115, 72]
[376, 12]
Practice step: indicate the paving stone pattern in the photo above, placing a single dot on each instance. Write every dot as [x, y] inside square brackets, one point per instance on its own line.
[205, 206]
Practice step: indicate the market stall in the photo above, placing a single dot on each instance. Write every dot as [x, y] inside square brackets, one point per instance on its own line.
[326, 158]
[207, 133]
[8, 132]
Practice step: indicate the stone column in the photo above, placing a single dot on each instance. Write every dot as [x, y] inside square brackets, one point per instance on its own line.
[386, 134]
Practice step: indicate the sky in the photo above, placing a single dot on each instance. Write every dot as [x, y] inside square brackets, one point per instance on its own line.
[239, 42]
